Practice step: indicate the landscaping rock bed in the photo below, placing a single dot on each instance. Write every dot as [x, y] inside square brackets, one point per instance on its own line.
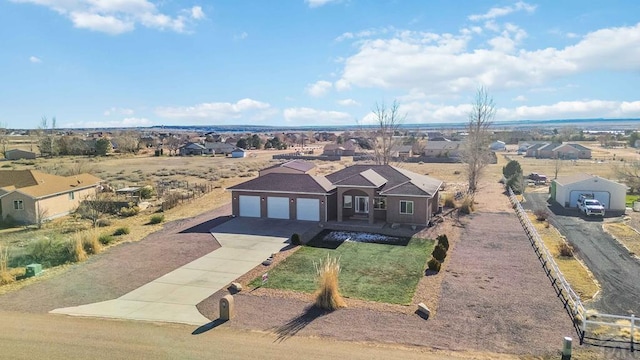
[331, 239]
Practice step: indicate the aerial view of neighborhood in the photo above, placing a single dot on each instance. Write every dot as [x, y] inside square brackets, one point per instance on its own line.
[319, 179]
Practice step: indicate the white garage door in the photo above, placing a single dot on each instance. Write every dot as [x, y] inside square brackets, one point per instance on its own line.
[277, 207]
[308, 209]
[602, 196]
[249, 206]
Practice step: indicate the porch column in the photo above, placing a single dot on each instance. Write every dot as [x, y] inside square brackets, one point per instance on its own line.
[340, 200]
[372, 194]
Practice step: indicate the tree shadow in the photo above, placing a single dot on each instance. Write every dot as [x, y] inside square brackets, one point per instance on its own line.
[298, 323]
[205, 227]
[206, 327]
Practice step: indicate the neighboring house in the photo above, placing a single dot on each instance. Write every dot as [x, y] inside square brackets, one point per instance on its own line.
[290, 167]
[558, 150]
[447, 148]
[239, 153]
[498, 145]
[404, 152]
[565, 191]
[17, 154]
[547, 151]
[636, 144]
[214, 148]
[348, 148]
[192, 149]
[359, 192]
[29, 196]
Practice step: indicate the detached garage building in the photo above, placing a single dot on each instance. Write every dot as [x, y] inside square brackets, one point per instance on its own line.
[567, 189]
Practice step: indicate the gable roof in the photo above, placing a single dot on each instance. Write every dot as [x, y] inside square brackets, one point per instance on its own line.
[442, 145]
[193, 145]
[580, 147]
[287, 183]
[366, 178]
[576, 178]
[37, 184]
[549, 146]
[397, 181]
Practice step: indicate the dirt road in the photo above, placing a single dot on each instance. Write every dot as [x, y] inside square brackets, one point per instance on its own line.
[45, 336]
[616, 270]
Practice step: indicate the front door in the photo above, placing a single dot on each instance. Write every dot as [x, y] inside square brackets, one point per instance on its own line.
[362, 204]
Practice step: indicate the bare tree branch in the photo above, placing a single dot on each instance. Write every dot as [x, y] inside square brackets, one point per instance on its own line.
[388, 119]
[475, 152]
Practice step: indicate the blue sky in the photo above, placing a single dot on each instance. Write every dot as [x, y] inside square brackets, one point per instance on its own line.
[96, 63]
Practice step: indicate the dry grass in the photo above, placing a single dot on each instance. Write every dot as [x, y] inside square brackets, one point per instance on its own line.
[578, 276]
[449, 201]
[467, 205]
[626, 235]
[328, 295]
[90, 241]
[6, 276]
[76, 248]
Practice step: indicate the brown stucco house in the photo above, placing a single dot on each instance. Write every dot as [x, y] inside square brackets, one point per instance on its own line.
[360, 192]
[30, 196]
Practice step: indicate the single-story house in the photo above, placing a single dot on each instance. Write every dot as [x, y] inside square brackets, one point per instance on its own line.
[359, 192]
[290, 167]
[565, 190]
[192, 149]
[498, 145]
[29, 196]
[404, 151]
[239, 153]
[448, 148]
[558, 150]
[17, 154]
[214, 148]
[348, 148]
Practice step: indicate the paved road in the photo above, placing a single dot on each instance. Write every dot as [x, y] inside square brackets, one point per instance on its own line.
[46, 336]
[616, 270]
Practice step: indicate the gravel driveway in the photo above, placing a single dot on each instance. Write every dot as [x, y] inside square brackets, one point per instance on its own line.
[616, 270]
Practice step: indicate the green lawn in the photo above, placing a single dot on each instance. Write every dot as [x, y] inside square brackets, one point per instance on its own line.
[375, 272]
[630, 199]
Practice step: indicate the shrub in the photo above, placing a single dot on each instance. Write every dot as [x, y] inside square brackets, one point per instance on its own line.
[467, 205]
[328, 295]
[48, 252]
[91, 242]
[147, 192]
[449, 201]
[156, 219]
[295, 239]
[105, 239]
[439, 253]
[129, 211]
[103, 222]
[565, 250]
[541, 214]
[76, 250]
[434, 265]
[443, 240]
[121, 231]
[457, 172]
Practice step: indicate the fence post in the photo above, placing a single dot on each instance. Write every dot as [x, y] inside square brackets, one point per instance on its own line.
[633, 329]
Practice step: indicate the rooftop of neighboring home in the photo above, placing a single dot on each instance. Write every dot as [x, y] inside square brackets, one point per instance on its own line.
[442, 145]
[38, 184]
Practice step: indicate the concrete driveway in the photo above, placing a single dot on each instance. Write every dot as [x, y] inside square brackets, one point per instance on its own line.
[245, 242]
[611, 264]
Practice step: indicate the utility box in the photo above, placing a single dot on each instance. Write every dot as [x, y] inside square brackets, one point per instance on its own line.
[227, 308]
[33, 270]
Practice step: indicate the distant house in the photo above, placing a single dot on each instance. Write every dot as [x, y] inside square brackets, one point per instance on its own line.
[17, 154]
[404, 152]
[450, 149]
[192, 149]
[566, 190]
[348, 148]
[239, 153]
[29, 196]
[290, 167]
[215, 148]
[498, 146]
[567, 151]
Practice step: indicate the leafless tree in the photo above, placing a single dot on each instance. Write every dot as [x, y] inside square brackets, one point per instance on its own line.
[40, 216]
[387, 121]
[475, 152]
[4, 141]
[95, 207]
[629, 173]
[557, 165]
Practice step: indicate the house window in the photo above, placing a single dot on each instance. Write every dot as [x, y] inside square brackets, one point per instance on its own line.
[348, 204]
[379, 203]
[72, 195]
[18, 205]
[406, 207]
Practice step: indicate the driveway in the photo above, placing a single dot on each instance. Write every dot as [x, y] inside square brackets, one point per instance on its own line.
[616, 270]
[173, 297]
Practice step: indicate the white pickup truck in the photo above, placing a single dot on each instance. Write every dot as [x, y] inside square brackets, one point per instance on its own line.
[590, 206]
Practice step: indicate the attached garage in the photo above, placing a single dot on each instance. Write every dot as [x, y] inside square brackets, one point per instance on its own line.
[277, 207]
[249, 206]
[566, 190]
[308, 209]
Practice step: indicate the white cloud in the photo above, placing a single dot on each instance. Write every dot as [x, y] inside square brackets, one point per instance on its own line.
[444, 63]
[520, 98]
[348, 102]
[245, 109]
[319, 88]
[119, 16]
[364, 33]
[318, 3]
[120, 111]
[243, 35]
[309, 116]
[497, 12]
[124, 122]
[35, 60]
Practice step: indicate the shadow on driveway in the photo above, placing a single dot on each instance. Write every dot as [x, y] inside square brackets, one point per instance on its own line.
[205, 227]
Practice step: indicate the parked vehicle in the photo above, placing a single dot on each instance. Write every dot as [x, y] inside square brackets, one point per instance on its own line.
[590, 206]
[539, 179]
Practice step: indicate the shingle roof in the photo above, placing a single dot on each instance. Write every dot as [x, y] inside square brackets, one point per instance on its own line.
[580, 147]
[398, 181]
[37, 184]
[442, 145]
[368, 178]
[299, 165]
[570, 179]
[278, 182]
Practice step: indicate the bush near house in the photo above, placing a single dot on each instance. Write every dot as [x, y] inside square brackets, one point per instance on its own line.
[156, 219]
[121, 231]
[295, 239]
[439, 253]
[106, 239]
[541, 214]
[434, 265]
[443, 240]
[467, 205]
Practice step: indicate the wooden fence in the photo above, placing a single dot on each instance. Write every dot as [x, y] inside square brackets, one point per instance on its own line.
[582, 321]
[186, 195]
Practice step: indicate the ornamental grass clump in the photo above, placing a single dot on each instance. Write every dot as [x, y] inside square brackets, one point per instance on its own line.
[328, 295]
[6, 277]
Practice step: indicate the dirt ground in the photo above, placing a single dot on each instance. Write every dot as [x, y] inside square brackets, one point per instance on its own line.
[494, 297]
[122, 268]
